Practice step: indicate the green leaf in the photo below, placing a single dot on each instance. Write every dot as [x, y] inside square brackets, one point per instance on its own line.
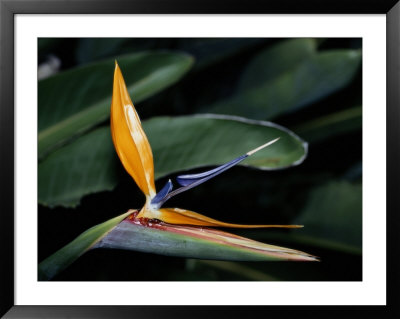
[61, 259]
[74, 101]
[194, 242]
[311, 80]
[332, 219]
[334, 213]
[337, 123]
[275, 61]
[207, 140]
[89, 164]
[86, 166]
[165, 239]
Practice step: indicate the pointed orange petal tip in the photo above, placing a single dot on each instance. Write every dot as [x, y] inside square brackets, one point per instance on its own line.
[130, 141]
[179, 216]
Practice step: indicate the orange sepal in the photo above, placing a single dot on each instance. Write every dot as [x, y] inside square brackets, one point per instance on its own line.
[129, 139]
[187, 217]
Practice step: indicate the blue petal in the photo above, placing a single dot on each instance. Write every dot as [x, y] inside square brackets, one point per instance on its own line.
[185, 180]
[192, 180]
[189, 181]
[162, 193]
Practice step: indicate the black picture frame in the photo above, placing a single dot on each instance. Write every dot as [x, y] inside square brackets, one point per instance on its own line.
[8, 10]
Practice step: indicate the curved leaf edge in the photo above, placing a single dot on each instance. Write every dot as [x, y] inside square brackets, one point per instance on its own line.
[246, 121]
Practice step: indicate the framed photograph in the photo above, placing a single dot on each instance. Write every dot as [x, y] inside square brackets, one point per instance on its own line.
[188, 155]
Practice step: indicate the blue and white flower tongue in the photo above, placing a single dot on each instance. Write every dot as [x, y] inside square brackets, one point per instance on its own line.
[189, 181]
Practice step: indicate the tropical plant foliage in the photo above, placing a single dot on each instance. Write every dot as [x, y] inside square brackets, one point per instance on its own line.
[202, 103]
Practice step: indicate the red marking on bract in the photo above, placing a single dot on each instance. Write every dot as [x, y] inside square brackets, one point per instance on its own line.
[132, 218]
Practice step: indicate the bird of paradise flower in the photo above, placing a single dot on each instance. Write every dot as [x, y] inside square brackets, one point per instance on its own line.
[134, 151]
[153, 229]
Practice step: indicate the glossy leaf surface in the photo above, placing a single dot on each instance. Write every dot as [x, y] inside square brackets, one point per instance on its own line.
[90, 164]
